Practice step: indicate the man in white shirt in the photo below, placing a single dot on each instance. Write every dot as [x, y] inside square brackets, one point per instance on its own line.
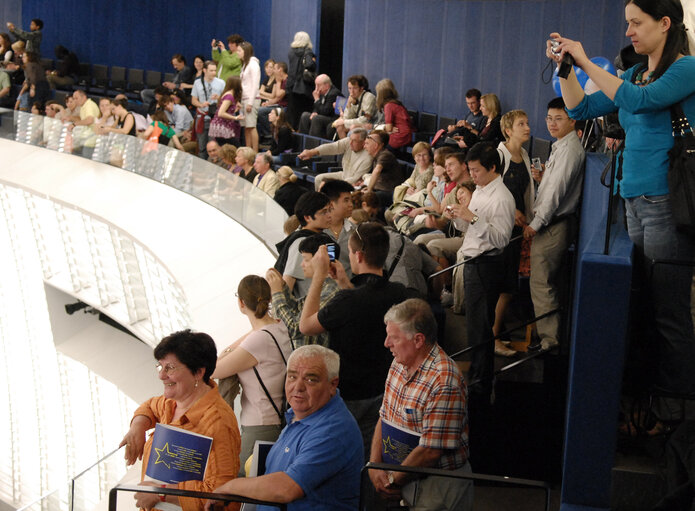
[490, 216]
[205, 94]
[554, 221]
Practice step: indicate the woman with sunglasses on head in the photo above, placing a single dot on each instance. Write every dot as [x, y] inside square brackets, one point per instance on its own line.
[190, 401]
[643, 97]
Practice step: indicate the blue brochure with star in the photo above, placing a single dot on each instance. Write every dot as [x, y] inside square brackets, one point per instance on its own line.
[397, 442]
[178, 455]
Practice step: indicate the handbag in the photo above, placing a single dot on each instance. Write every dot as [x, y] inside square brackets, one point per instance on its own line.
[309, 65]
[681, 172]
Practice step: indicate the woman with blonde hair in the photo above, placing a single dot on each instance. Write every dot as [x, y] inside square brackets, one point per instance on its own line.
[259, 358]
[228, 155]
[301, 72]
[244, 159]
[422, 173]
[491, 132]
[290, 191]
[397, 122]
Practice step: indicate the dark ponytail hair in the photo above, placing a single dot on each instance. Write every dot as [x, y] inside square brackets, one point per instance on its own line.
[254, 291]
[676, 40]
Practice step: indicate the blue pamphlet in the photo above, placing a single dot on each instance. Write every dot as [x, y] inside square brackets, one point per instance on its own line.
[397, 442]
[178, 455]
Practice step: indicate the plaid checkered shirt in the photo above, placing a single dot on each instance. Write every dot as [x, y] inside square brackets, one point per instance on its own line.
[432, 402]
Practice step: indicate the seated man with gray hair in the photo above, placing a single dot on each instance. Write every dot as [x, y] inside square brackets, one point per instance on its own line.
[356, 160]
[426, 396]
[317, 122]
[316, 462]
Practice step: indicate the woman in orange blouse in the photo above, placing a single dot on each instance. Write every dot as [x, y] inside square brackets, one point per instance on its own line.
[192, 402]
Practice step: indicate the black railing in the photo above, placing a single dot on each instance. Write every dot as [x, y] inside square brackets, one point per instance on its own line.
[422, 471]
[113, 496]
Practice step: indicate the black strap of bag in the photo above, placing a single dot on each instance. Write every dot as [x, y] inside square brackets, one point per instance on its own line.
[280, 413]
[396, 259]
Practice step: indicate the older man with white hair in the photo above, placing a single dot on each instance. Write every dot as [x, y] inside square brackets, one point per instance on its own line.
[315, 463]
[317, 122]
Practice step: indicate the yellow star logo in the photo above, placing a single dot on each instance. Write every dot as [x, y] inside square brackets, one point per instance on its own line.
[164, 451]
[389, 447]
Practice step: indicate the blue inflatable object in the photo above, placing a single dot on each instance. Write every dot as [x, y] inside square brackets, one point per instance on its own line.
[582, 77]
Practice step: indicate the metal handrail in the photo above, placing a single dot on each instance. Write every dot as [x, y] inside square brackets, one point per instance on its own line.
[453, 266]
[113, 495]
[511, 481]
[72, 481]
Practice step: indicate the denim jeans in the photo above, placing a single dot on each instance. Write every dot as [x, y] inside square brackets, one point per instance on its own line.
[262, 122]
[652, 229]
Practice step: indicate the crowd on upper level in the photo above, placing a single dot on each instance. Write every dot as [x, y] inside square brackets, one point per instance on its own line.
[352, 309]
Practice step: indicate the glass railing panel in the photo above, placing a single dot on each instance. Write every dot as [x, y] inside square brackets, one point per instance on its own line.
[235, 197]
[91, 487]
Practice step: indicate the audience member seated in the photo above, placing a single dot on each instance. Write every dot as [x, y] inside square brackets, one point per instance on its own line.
[224, 126]
[277, 97]
[214, 153]
[360, 107]
[6, 52]
[204, 96]
[125, 121]
[141, 123]
[267, 87]
[178, 117]
[106, 117]
[421, 176]
[516, 175]
[198, 64]
[191, 401]
[32, 39]
[317, 122]
[265, 178]
[66, 71]
[16, 67]
[83, 133]
[289, 191]
[161, 129]
[281, 133]
[313, 212]
[227, 59]
[245, 158]
[354, 320]
[316, 462]
[184, 74]
[474, 119]
[397, 122]
[228, 156]
[259, 359]
[386, 172]
[289, 308]
[491, 132]
[6, 100]
[250, 84]
[35, 88]
[356, 160]
[425, 394]
[71, 110]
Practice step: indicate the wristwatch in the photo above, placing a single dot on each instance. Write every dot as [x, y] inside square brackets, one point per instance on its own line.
[474, 219]
[390, 476]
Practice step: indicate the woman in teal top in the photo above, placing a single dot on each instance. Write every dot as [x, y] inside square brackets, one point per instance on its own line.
[643, 98]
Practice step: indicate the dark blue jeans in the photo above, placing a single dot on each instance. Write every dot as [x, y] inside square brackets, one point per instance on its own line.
[652, 230]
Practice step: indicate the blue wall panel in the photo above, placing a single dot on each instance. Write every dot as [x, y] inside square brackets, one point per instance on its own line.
[289, 18]
[146, 34]
[10, 10]
[435, 50]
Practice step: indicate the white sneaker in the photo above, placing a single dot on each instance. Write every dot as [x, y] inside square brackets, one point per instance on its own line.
[548, 344]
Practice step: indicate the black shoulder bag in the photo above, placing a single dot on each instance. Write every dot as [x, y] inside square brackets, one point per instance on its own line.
[681, 172]
[280, 411]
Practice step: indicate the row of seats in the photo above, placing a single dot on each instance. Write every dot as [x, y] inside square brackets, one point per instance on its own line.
[109, 81]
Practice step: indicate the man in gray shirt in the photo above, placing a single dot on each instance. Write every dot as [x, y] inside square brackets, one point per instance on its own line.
[554, 218]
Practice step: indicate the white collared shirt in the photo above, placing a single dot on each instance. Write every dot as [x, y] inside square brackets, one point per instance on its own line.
[494, 206]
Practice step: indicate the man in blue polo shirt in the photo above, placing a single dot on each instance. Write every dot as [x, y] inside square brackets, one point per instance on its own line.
[315, 463]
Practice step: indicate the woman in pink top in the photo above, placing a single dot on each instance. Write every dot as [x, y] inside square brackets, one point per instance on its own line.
[396, 119]
[250, 90]
[258, 356]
